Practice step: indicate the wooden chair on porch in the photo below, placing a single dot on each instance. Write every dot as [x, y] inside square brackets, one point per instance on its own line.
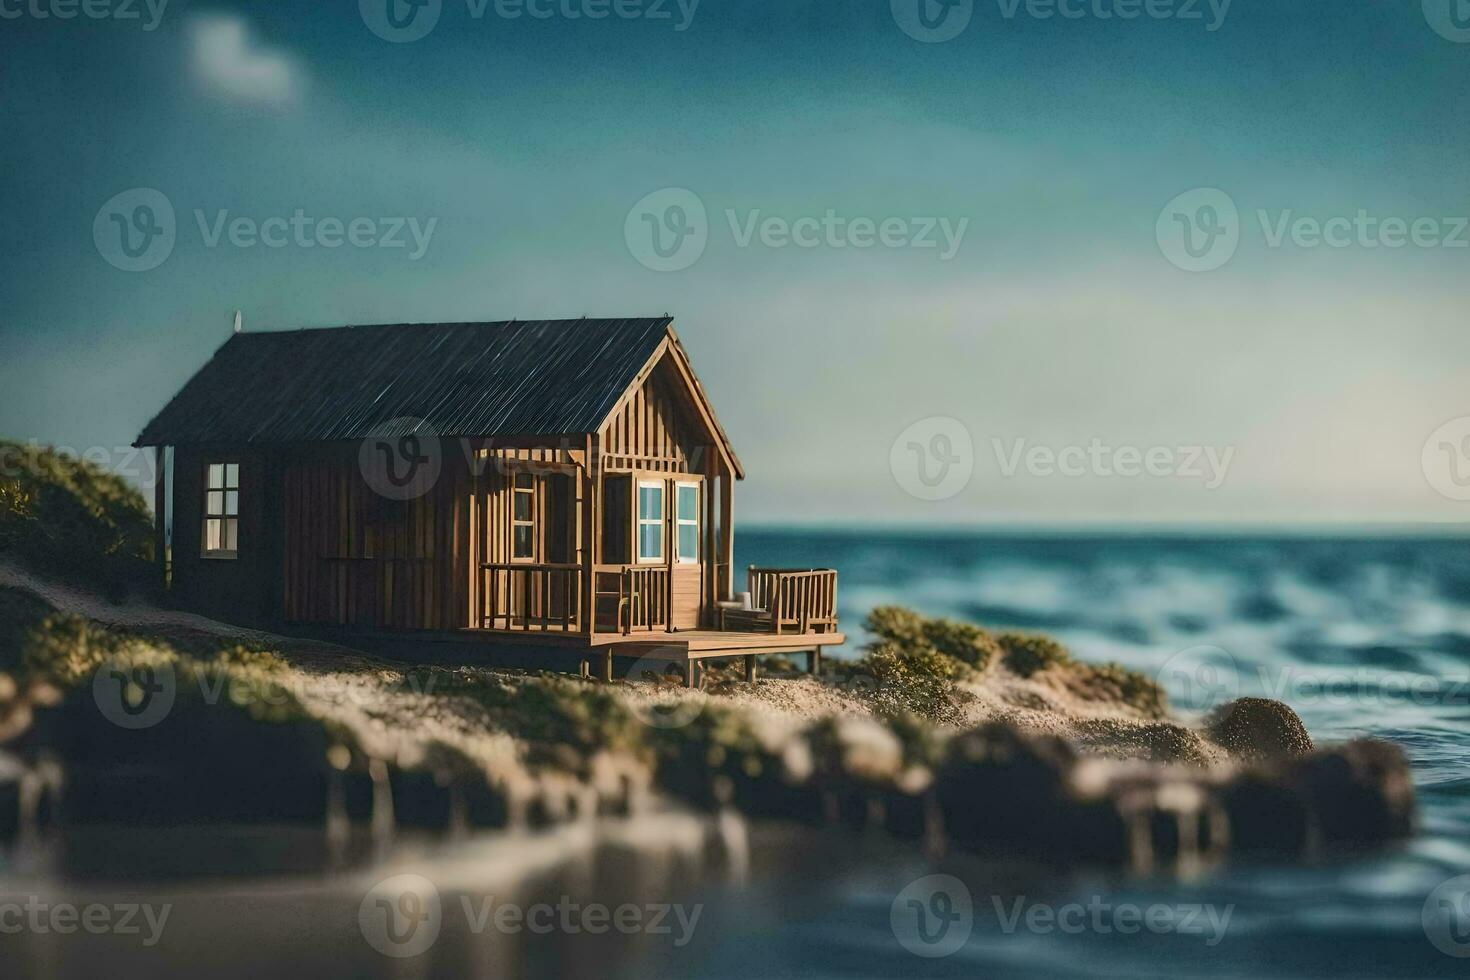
[786, 601]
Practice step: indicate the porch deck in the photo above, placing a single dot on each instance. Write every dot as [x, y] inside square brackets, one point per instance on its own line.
[678, 647]
[684, 649]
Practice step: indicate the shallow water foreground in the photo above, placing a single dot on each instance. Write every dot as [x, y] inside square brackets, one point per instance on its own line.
[683, 895]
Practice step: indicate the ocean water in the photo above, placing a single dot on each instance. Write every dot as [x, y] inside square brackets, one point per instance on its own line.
[1363, 637]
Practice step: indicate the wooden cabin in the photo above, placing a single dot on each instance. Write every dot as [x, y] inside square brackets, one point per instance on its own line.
[558, 482]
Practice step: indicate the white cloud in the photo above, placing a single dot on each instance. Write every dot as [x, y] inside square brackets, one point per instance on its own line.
[228, 61]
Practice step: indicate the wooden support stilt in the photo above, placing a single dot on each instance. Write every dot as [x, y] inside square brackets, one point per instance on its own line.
[693, 674]
[750, 668]
[814, 662]
[607, 667]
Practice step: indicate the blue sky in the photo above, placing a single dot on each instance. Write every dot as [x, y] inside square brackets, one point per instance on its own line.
[518, 147]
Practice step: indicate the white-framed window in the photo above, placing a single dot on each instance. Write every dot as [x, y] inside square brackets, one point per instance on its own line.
[523, 517]
[686, 523]
[650, 520]
[222, 510]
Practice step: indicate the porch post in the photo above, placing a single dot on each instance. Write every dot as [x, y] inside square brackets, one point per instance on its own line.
[590, 544]
[708, 551]
[727, 529]
[160, 516]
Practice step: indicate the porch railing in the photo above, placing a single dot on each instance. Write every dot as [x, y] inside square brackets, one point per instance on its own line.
[633, 598]
[531, 598]
[801, 600]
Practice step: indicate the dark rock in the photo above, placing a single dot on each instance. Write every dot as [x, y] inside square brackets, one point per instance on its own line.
[1259, 728]
[1000, 787]
[1354, 794]
[1267, 817]
[1358, 793]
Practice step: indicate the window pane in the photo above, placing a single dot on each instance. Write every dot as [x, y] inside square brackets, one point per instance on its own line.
[650, 503]
[524, 547]
[524, 503]
[232, 530]
[232, 475]
[215, 504]
[211, 535]
[232, 502]
[650, 540]
[525, 481]
[688, 503]
[689, 542]
[216, 476]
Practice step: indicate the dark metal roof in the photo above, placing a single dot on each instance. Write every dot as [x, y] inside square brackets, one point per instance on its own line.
[516, 378]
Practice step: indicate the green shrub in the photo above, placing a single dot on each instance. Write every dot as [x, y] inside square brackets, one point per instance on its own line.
[69, 518]
[1132, 688]
[965, 642]
[919, 680]
[67, 650]
[1026, 653]
[896, 625]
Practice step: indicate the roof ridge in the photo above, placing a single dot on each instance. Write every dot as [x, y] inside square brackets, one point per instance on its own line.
[323, 384]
